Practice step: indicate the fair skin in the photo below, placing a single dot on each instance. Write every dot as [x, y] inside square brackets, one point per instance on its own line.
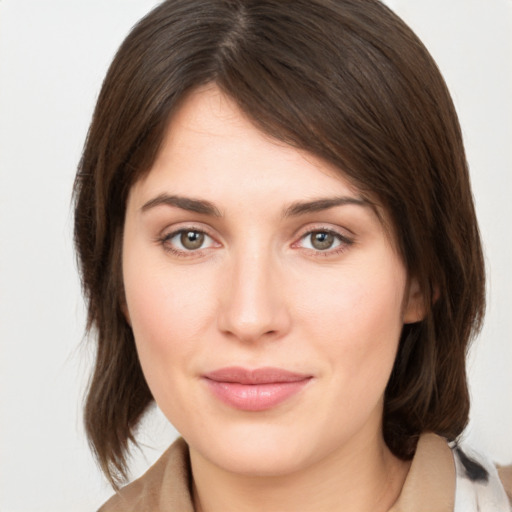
[249, 277]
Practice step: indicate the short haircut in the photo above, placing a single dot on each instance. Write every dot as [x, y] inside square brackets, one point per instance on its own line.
[349, 82]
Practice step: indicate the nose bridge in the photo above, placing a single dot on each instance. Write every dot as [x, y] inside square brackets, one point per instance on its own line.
[252, 304]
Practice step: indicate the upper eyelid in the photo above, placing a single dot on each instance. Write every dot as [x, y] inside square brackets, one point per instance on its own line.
[174, 230]
[342, 232]
[344, 241]
[340, 237]
[172, 234]
[164, 240]
[165, 236]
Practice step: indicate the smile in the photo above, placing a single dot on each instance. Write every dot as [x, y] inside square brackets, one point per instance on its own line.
[255, 390]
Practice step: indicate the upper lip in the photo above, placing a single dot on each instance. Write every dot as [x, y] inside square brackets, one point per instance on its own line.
[266, 375]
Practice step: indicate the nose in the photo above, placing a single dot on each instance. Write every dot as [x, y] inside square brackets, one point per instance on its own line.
[253, 303]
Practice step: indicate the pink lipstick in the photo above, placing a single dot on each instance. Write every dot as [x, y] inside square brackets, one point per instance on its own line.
[255, 390]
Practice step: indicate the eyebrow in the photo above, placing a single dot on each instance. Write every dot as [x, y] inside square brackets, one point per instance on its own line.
[304, 207]
[295, 209]
[185, 203]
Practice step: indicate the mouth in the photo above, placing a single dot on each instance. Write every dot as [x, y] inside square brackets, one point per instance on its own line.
[255, 390]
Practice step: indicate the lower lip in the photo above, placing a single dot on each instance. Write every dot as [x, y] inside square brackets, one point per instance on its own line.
[255, 397]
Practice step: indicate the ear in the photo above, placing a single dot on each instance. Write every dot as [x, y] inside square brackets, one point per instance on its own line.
[414, 306]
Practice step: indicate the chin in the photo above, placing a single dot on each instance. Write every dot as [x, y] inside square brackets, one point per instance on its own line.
[262, 450]
[259, 459]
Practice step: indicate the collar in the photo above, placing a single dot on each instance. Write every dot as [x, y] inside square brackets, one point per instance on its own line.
[430, 483]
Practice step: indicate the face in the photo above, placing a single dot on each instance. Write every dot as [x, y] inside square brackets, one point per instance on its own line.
[264, 293]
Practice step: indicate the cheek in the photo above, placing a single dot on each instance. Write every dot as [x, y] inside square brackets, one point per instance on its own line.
[356, 300]
[168, 315]
[355, 318]
[166, 308]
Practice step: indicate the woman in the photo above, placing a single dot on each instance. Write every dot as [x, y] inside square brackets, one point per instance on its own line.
[278, 245]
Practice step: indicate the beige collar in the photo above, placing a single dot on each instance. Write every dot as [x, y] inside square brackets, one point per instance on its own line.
[165, 487]
[430, 483]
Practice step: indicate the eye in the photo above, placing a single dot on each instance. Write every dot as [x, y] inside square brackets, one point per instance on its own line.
[321, 240]
[187, 240]
[324, 240]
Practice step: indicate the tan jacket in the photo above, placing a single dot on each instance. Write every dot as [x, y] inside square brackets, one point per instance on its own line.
[430, 485]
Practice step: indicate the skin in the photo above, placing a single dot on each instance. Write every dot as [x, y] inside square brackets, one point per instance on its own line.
[258, 292]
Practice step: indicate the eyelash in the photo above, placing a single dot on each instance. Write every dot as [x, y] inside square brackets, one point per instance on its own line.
[343, 240]
[182, 253]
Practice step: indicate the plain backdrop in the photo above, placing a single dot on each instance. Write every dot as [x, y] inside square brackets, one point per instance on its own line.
[53, 56]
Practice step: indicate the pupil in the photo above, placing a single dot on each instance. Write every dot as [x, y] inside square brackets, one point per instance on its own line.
[192, 239]
[322, 240]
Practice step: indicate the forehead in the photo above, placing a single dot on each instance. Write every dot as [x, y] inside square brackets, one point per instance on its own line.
[212, 146]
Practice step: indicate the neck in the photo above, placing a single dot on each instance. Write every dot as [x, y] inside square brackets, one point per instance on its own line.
[360, 479]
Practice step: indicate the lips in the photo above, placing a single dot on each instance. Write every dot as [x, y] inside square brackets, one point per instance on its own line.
[255, 390]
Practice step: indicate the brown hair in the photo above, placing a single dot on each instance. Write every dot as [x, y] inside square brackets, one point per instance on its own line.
[346, 80]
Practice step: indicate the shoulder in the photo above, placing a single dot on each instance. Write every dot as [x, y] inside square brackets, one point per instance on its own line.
[505, 473]
[163, 488]
[446, 477]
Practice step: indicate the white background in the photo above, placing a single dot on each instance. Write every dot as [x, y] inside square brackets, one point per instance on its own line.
[53, 56]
